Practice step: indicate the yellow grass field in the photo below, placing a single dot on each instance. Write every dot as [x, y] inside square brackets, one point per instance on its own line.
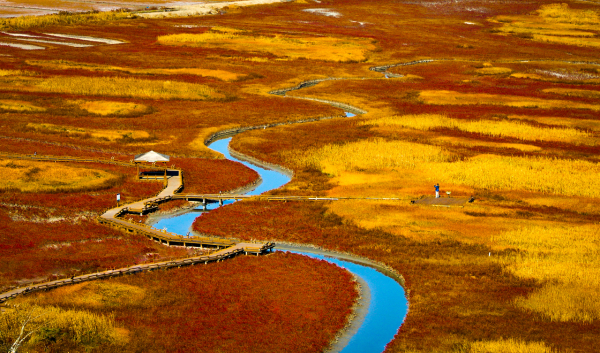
[503, 128]
[491, 172]
[92, 295]
[19, 106]
[566, 259]
[30, 176]
[493, 71]
[585, 93]
[509, 346]
[375, 154]
[545, 175]
[457, 98]
[103, 135]
[315, 48]
[16, 73]
[66, 65]
[587, 124]
[116, 87]
[82, 326]
[555, 23]
[458, 141]
[27, 22]
[110, 108]
[538, 77]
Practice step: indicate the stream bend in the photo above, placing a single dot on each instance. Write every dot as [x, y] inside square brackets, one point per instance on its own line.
[383, 307]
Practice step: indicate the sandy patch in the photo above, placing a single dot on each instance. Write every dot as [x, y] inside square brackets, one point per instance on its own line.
[68, 44]
[86, 38]
[22, 46]
[324, 12]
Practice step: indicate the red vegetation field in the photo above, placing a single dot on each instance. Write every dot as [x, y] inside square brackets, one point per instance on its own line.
[207, 176]
[276, 303]
[471, 296]
[56, 233]
[458, 293]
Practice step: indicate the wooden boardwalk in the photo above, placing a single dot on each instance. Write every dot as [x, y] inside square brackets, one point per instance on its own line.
[226, 248]
[237, 249]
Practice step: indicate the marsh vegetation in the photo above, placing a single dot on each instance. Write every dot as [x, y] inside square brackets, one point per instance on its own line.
[494, 100]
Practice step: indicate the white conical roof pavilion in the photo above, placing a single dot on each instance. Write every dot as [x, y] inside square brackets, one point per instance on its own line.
[151, 157]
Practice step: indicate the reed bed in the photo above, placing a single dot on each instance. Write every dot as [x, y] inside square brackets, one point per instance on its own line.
[81, 326]
[373, 154]
[490, 172]
[509, 346]
[563, 257]
[537, 174]
[63, 18]
[495, 128]
[126, 87]
[555, 23]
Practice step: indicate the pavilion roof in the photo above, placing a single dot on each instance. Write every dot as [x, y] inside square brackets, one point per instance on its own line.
[151, 157]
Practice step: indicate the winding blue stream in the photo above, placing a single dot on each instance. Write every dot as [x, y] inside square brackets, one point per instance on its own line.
[388, 305]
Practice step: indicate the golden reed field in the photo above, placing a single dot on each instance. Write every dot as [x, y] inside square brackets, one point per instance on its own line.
[497, 101]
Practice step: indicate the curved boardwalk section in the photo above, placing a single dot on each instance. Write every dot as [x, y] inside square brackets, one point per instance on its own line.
[225, 247]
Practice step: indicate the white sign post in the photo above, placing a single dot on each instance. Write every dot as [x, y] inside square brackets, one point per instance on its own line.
[118, 199]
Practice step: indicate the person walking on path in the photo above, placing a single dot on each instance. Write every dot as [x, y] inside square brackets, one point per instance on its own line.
[437, 191]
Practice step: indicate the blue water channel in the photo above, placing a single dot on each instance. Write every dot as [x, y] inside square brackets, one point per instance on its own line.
[387, 307]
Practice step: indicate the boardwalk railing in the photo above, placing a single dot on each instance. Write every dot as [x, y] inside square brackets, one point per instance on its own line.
[215, 257]
[217, 197]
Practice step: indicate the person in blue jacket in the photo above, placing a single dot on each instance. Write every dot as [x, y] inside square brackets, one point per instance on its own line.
[437, 191]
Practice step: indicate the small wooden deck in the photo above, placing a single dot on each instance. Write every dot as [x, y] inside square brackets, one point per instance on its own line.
[442, 201]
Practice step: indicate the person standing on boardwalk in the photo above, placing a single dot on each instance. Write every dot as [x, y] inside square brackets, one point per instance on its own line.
[437, 191]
